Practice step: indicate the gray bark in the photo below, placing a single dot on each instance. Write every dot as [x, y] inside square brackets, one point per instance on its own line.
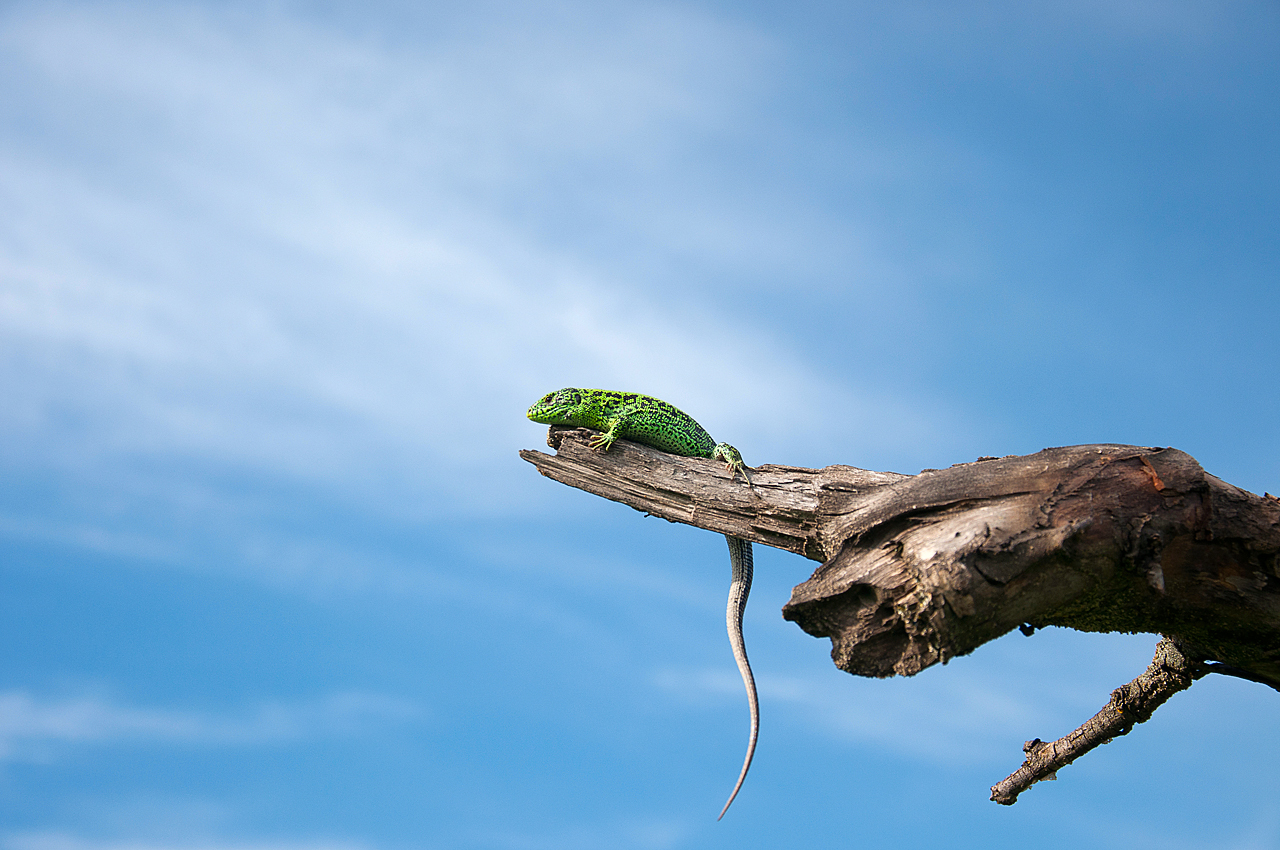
[917, 569]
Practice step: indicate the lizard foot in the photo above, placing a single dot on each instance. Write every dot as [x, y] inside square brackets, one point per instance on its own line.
[732, 460]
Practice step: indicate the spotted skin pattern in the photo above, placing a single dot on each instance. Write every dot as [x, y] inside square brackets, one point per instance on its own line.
[645, 419]
[635, 417]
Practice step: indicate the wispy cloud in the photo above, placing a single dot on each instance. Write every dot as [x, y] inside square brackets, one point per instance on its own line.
[635, 835]
[976, 708]
[277, 248]
[37, 727]
[949, 719]
[632, 835]
[66, 841]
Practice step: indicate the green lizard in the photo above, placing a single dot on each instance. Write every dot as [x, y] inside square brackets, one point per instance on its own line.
[644, 419]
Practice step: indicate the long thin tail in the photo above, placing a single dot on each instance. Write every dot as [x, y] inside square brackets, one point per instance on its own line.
[739, 589]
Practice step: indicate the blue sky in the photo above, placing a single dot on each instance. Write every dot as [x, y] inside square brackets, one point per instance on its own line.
[277, 282]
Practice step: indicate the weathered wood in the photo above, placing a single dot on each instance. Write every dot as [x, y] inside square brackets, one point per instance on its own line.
[918, 569]
[788, 507]
[1096, 538]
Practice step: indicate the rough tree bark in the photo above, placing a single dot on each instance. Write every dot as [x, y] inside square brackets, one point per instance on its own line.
[917, 569]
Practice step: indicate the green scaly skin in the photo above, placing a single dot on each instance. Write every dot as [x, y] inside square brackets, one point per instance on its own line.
[644, 419]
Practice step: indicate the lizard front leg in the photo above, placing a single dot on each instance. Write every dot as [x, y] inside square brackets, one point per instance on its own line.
[602, 441]
[732, 459]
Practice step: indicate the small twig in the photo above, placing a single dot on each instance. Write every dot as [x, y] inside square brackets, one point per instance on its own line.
[1170, 671]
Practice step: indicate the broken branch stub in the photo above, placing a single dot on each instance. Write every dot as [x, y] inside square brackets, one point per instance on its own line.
[1170, 672]
[1097, 538]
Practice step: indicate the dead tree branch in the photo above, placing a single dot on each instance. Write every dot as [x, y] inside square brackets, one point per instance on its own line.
[918, 569]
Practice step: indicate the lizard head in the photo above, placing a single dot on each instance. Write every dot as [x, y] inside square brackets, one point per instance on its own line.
[557, 408]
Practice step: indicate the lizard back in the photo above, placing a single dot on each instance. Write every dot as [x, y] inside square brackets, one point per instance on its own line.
[640, 418]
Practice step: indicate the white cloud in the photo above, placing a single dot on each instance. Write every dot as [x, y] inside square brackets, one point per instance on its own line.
[632, 835]
[948, 719]
[650, 834]
[269, 248]
[35, 727]
[978, 708]
[50, 840]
